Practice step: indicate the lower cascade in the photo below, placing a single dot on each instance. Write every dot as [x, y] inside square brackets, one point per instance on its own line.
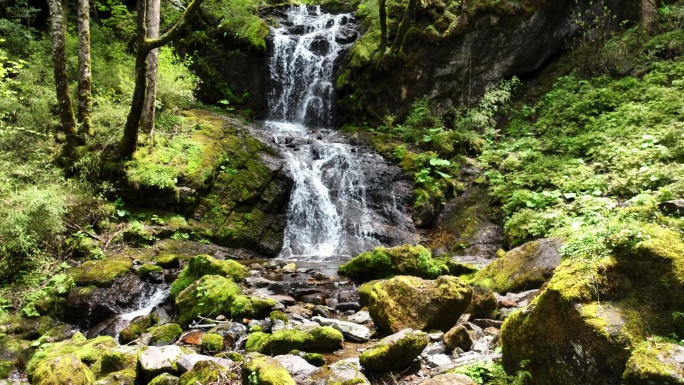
[345, 198]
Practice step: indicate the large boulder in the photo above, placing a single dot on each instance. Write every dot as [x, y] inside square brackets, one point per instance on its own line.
[298, 367]
[204, 372]
[523, 268]
[87, 351]
[318, 339]
[346, 371]
[157, 360]
[386, 262]
[14, 353]
[582, 327]
[655, 362]
[101, 273]
[63, 370]
[395, 352]
[211, 295]
[202, 265]
[259, 369]
[410, 302]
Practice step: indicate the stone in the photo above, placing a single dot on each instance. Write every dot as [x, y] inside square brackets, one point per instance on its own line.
[210, 295]
[323, 311]
[188, 361]
[523, 268]
[204, 372]
[347, 371]
[673, 207]
[298, 367]
[655, 362]
[435, 360]
[164, 334]
[458, 337]
[101, 273]
[154, 361]
[386, 262]
[63, 370]
[314, 339]
[259, 369]
[350, 331]
[411, 302]
[136, 328]
[449, 379]
[164, 379]
[315, 298]
[230, 331]
[360, 317]
[202, 265]
[484, 305]
[394, 352]
[344, 306]
[289, 268]
[88, 351]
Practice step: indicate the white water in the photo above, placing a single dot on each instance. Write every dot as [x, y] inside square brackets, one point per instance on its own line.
[146, 306]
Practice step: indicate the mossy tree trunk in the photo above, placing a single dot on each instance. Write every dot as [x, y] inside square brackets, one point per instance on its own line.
[85, 96]
[129, 140]
[648, 13]
[153, 15]
[66, 111]
[404, 26]
[383, 27]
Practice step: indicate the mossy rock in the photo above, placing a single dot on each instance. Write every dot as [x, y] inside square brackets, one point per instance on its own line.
[251, 307]
[395, 352]
[365, 291]
[88, 351]
[135, 329]
[202, 265]
[148, 268]
[168, 261]
[25, 328]
[165, 334]
[278, 315]
[411, 302]
[523, 268]
[598, 310]
[204, 372]
[259, 369]
[211, 295]
[401, 260]
[164, 379]
[101, 273]
[65, 369]
[655, 362]
[458, 337]
[6, 368]
[14, 353]
[319, 339]
[119, 362]
[233, 356]
[212, 343]
[315, 359]
[123, 377]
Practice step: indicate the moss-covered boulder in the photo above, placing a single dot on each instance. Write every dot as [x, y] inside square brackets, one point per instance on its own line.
[318, 339]
[259, 369]
[14, 353]
[458, 337]
[212, 343]
[164, 379]
[101, 273]
[168, 261]
[202, 265]
[154, 361]
[204, 372]
[25, 328]
[594, 312]
[386, 262]
[135, 329]
[365, 291]
[63, 370]
[165, 334]
[88, 351]
[655, 362]
[251, 307]
[395, 352]
[410, 302]
[117, 363]
[211, 295]
[523, 268]
[123, 377]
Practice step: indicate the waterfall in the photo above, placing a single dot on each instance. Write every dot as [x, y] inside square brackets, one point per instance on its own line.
[334, 211]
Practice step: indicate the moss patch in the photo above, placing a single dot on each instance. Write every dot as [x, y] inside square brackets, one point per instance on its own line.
[88, 351]
[211, 295]
[263, 370]
[202, 265]
[320, 339]
[251, 307]
[212, 343]
[165, 334]
[204, 372]
[101, 273]
[135, 329]
[396, 354]
[401, 260]
[65, 369]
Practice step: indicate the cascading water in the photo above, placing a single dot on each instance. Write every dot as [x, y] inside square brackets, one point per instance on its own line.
[334, 209]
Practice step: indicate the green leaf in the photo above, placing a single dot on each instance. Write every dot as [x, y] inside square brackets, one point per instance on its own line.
[439, 162]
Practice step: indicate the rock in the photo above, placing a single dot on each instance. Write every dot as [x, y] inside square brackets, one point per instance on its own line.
[350, 331]
[523, 268]
[318, 339]
[435, 360]
[164, 334]
[485, 323]
[449, 379]
[347, 372]
[591, 339]
[188, 361]
[212, 343]
[344, 306]
[137, 327]
[323, 311]
[360, 317]
[14, 353]
[458, 337]
[365, 291]
[425, 212]
[345, 35]
[210, 295]
[157, 360]
[230, 331]
[88, 351]
[383, 262]
[298, 367]
[118, 364]
[404, 301]
[245, 306]
[394, 352]
[655, 362]
[164, 379]
[101, 273]
[284, 299]
[263, 370]
[202, 265]
[204, 372]
[289, 268]
[63, 370]
[484, 305]
[673, 207]
[315, 298]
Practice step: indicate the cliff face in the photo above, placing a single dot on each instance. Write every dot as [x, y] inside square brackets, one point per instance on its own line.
[452, 53]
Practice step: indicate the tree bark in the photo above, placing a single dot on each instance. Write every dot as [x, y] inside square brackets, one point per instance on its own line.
[129, 141]
[85, 96]
[66, 111]
[404, 26]
[383, 27]
[148, 114]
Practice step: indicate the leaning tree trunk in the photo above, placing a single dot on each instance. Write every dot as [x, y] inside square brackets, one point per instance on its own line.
[404, 26]
[153, 13]
[85, 96]
[129, 141]
[66, 110]
[383, 27]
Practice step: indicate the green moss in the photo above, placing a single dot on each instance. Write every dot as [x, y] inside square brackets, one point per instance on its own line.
[88, 351]
[206, 265]
[212, 343]
[365, 291]
[135, 329]
[101, 273]
[383, 262]
[278, 315]
[283, 341]
[262, 370]
[233, 356]
[256, 340]
[65, 369]
[164, 379]
[653, 362]
[204, 372]
[165, 334]
[211, 295]
[396, 355]
[168, 261]
[6, 367]
[148, 268]
[315, 359]
[117, 363]
[250, 307]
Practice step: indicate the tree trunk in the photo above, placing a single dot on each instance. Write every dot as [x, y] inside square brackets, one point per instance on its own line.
[383, 27]
[153, 11]
[85, 96]
[648, 13]
[404, 26]
[129, 141]
[66, 111]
